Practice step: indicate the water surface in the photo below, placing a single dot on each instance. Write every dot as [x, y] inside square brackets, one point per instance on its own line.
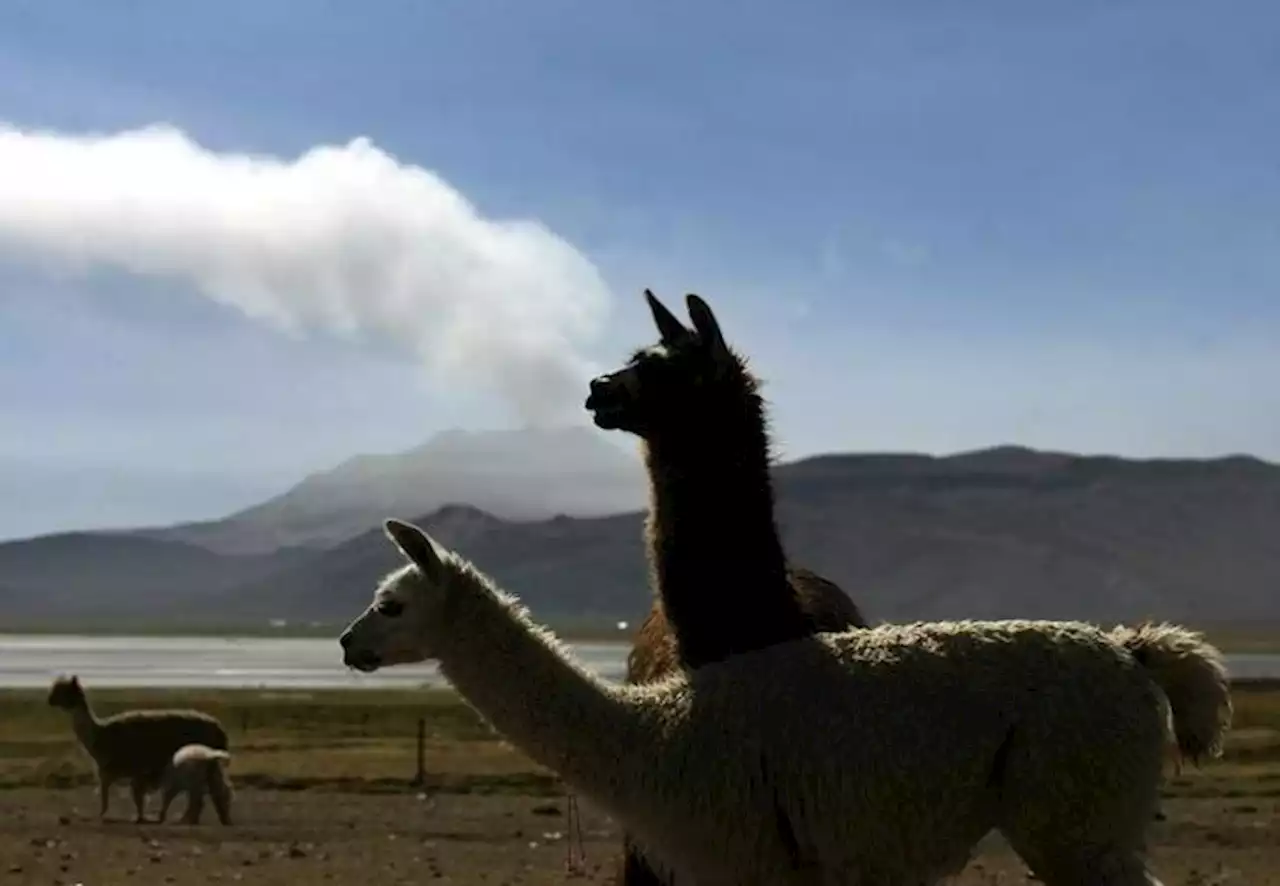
[30, 660]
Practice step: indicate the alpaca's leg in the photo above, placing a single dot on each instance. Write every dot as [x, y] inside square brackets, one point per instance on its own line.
[104, 792]
[138, 788]
[1081, 786]
[635, 869]
[220, 793]
[171, 791]
[195, 802]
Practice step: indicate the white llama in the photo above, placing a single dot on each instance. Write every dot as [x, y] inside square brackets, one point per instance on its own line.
[869, 757]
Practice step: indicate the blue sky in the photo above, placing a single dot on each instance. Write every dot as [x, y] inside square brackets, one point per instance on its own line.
[933, 226]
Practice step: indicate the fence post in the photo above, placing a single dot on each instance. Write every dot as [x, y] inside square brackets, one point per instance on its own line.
[420, 777]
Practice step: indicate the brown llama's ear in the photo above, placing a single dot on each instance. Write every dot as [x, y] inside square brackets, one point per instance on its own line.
[416, 545]
[704, 322]
[670, 328]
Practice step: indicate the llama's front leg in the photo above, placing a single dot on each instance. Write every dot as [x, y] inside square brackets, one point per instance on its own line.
[138, 787]
[171, 792]
[104, 793]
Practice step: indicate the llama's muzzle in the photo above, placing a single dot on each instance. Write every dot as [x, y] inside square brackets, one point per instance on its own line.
[363, 660]
[609, 397]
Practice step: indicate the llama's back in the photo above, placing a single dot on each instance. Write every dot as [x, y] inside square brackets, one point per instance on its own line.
[143, 743]
[825, 605]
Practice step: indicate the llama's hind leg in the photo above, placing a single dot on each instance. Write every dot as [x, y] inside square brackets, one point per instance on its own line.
[220, 793]
[1082, 784]
[195, 802]
[105, 782]
[138, 788]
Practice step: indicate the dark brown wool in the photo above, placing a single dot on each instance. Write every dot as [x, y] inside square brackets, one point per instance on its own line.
[826, 607]
[715, 557]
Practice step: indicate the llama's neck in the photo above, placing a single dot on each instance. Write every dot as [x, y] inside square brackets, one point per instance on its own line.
[520, 679]
[714, 550]
[85, 725]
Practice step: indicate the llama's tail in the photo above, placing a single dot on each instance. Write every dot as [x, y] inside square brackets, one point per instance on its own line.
[1193, 677]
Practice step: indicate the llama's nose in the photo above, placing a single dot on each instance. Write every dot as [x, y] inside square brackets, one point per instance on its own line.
[345, 640]
[601, 386]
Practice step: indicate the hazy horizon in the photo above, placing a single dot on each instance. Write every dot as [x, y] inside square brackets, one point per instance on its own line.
[247, 494]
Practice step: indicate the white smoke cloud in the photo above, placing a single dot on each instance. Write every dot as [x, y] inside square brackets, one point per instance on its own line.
[342, 239]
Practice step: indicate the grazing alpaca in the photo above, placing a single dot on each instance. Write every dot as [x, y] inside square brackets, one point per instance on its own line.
[890, 752]
[195, 771]
[717, 563]
[134, 745]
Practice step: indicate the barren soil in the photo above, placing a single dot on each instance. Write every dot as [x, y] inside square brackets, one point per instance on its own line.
[303, 837]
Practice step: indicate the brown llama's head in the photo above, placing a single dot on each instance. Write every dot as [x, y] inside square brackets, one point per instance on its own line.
[689, 381]
[66, 693]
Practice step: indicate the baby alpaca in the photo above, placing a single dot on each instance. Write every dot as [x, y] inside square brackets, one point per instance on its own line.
[195, 770]
[875, 756]
[134, 745]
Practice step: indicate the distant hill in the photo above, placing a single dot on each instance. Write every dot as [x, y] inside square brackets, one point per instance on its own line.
[84, 574]
[586, 569]
[517, 475]
[997, 533]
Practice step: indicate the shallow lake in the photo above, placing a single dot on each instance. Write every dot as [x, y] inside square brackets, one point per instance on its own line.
[30, 660]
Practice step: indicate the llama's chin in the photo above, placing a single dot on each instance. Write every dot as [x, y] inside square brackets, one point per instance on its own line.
[610, 419]
[362, 661]
[604, 421]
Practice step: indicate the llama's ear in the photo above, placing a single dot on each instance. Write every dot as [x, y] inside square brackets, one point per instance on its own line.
[75, 680]
[415, 544]
[670, 328]
[704, 322]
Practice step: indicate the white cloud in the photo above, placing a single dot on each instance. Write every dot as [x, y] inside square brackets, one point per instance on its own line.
[342, 239]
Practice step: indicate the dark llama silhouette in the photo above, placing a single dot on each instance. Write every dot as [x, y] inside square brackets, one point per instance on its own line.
[723, 584]
[654, 652]
[715, 556]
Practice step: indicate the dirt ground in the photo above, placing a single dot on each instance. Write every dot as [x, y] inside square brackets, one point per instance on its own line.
[303, 837]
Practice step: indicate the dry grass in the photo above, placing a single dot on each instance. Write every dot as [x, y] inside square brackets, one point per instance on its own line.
[356, 741]
[324, 793]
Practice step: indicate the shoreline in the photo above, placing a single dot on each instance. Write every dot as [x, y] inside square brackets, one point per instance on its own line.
[1230, 640]
[568, 631]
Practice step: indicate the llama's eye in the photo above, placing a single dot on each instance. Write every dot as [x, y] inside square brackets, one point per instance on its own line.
[390, 608]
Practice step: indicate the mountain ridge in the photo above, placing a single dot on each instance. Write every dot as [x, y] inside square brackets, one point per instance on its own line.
[999, 532]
